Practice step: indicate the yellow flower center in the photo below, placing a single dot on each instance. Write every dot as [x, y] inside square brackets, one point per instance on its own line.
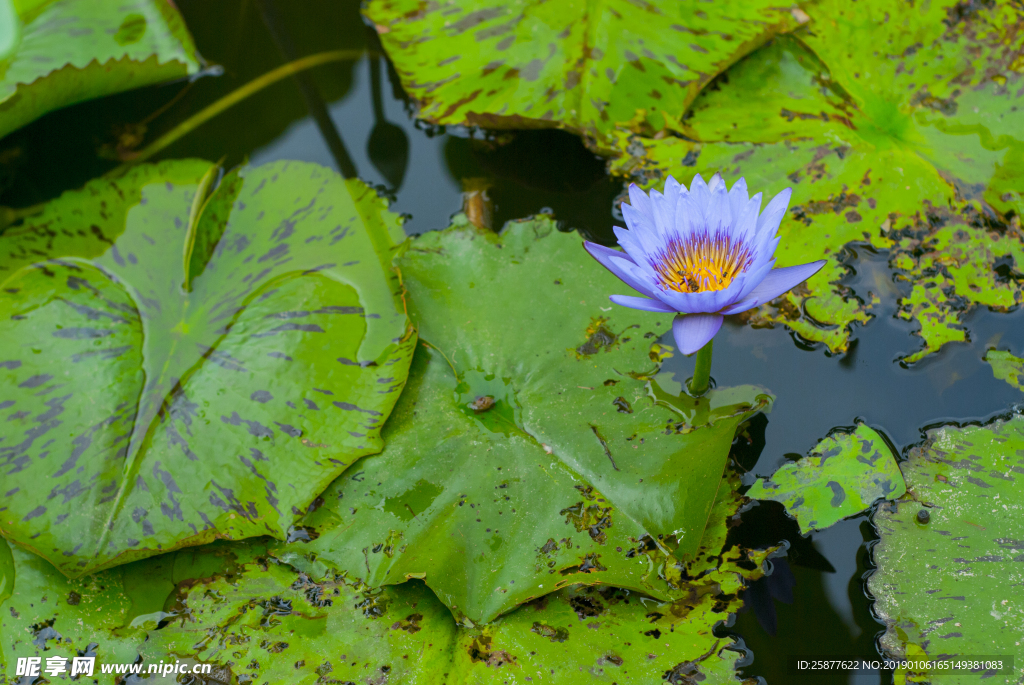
[702, 263]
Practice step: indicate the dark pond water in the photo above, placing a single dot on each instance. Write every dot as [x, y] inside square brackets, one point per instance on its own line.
[814, 602]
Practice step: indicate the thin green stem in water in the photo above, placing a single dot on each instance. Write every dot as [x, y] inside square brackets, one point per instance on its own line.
[702, 372]
[233, 98]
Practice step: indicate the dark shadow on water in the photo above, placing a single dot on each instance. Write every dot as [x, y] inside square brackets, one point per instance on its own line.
[811, 604]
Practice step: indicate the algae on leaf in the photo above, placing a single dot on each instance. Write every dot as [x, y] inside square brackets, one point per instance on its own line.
[67, 51]
[912, 146]
[842, 476]
[141, 416]
[526, 453]
[948, 562]
[584, 66]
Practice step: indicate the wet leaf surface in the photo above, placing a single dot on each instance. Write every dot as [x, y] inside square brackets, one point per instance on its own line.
[150, 403]
[581, 66]
[841, 477]
[949, 560]
[512, 468]
[68, 51]
[273, 624]
[911, 146]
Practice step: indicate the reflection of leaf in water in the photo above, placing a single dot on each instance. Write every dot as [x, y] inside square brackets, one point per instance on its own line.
[151, 403]
[76, 50]
[505, 317]
[949, 584]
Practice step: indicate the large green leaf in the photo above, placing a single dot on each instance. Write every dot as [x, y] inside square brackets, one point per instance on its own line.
[949, 558]
[897, 146]
[582, 65]
[527, 452]
[842, 476]
[65, 51]
[272, 624]
[141, 415]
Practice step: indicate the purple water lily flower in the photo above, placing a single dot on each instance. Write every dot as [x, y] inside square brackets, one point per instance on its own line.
[701, 253]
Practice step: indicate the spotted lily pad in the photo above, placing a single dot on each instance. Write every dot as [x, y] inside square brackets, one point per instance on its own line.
[106, 615]
[911, 146]
[151, 402]
[1007, 367]
[274, 624]
[948, 562]
[44, 614]
[58, 52]
[577, 65]
[842, 476]
[526, 453]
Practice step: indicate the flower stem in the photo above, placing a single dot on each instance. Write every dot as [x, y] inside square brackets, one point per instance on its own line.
[702, 372]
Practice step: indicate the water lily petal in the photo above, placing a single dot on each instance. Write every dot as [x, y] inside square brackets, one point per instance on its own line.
[744, 222]
[664, 207]
[693, 331]
[602, 253]
[644, 232]
[624, 268]
[700, 193]
[710, 301]
[689, 216]
[640, 202]
[772, 215]
[643, 303]
[718, 216]
[776, 283]
[738, 198]
[629, 242]
[753, 277]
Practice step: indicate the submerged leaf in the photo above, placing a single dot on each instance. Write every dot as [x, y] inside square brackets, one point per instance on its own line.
[585, 66]
[1006, 367]
[842, 476]
[141, 417]
[75, 50]
[948, 562]
[569, 473]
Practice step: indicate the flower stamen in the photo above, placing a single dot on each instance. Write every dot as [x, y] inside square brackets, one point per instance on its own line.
[701, 262]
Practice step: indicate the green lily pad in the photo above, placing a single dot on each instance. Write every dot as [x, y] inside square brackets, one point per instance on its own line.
[107, 614]
[45, 614]
[581, 66]
[1006, 367]
[949, 559]
[275, 624]
[527, 452]
[59, 52]
[841, 477]
[151, 403]
[907, 147]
